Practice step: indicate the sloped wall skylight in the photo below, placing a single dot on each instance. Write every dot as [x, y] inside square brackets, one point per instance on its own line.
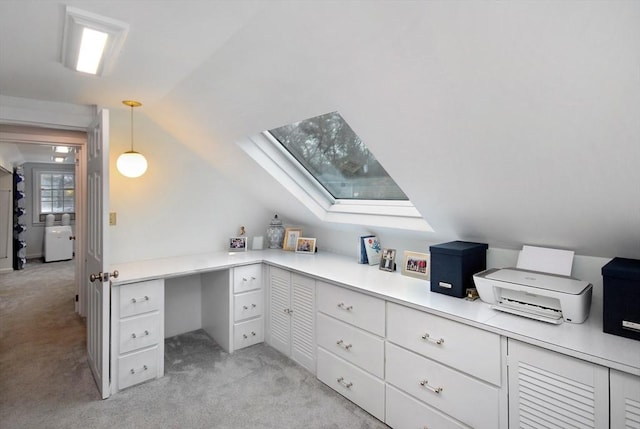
[324, 164]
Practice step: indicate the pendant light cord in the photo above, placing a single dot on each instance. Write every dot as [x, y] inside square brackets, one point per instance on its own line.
[131, 128]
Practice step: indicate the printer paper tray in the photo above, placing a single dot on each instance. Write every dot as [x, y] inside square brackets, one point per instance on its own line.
[550, 316]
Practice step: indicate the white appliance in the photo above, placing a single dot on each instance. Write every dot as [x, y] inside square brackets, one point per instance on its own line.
[58, 242]
[542, 296]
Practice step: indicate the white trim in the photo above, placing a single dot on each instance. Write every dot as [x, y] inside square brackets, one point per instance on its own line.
[267, 152]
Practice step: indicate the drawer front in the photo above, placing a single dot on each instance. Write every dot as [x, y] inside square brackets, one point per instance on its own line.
[464, 398]
[463, 347]
[137, 367]
[358, 309]
[248, 305]
[139, 331]
[248, 333]
[405, 412]
[246, 278]
[352, 344]
[351, 382]
[143, 297]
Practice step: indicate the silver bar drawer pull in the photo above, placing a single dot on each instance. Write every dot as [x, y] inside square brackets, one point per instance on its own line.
[144, 298]
[427, 337]
[144, 368]
[244, 279]
[345, 307]
[425, 384]
[245, 336]
[246, 307]
[145, 333]
[344, 383]
[343, 345]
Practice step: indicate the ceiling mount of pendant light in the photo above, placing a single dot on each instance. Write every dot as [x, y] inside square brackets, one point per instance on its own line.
[132, 163]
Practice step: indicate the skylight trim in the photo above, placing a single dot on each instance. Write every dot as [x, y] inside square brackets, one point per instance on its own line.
[267, 152]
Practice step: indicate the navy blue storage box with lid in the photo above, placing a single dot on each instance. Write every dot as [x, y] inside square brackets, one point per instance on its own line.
[621, 298]
[453, 265]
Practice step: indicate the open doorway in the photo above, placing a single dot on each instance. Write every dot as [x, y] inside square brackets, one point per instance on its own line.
[49, 199]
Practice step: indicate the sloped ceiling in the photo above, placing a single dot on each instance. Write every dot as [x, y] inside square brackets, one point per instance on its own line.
[507, 122]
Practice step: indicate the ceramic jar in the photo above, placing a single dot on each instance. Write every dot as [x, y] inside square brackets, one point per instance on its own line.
[275, 233]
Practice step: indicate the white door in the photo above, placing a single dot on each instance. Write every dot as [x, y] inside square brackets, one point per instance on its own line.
[98, 290]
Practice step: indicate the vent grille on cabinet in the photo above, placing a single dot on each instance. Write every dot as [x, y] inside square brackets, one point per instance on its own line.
[548, 400]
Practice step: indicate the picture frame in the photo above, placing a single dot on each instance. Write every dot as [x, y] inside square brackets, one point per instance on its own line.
[306, 245]
[238, 244]
[388, 260]
[415, 264]
[291, 238]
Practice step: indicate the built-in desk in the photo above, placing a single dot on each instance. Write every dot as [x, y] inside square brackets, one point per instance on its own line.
[211, 275]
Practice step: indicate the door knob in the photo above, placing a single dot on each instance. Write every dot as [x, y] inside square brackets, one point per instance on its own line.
[72, 237]
[104, 276]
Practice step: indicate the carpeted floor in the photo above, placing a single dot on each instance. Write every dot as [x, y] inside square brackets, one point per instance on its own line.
[45, 381]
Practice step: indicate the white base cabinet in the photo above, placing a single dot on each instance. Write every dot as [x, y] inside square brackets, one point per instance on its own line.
[248, 306]
[291, 316]
[551, 390]
[137, 333]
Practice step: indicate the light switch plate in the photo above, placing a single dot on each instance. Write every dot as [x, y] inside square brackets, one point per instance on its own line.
[112, 218]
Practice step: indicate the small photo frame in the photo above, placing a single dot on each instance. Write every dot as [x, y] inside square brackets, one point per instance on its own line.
[305, 245]
[388, 260]
[416, 264]
[291, 238]
[238, 244]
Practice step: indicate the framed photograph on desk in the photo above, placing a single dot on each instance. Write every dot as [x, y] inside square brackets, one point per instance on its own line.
[238, 244]
[306, 245]
[416, 264]
[291, 238]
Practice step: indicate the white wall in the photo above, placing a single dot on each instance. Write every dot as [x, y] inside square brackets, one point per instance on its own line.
[180, 206]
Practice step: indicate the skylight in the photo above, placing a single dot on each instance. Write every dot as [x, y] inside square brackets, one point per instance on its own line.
[334, 155]
[323, 164]
[91, 49]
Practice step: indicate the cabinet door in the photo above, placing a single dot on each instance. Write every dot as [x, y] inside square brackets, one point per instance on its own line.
[303, 345]
[625, 400]
[552, 390]
[279, 310]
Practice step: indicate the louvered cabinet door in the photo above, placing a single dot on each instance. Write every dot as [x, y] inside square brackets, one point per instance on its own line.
[551, 390]
[303, 292]
[625, 400]
[279, 319]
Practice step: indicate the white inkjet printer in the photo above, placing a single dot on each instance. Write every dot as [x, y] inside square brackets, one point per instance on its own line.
[538, 288]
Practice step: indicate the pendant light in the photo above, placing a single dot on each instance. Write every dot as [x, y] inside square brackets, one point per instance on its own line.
[131, 163]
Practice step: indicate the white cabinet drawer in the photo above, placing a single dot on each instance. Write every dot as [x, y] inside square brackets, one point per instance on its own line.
[139, 331]
[246, 278]
[471, 401]
[463, 347]
[248, 305]
[352, 344]
[246, 334]
[358, 309]
[137, 367]
[353, 383]
[405, 412]
[138, 298]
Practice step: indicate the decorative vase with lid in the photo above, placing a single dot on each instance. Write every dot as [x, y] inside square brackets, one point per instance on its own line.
[275, 233]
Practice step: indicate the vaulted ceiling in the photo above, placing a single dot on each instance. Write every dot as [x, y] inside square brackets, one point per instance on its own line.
[508, 122]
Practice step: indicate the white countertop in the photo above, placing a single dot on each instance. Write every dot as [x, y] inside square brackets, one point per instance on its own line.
[585, 341]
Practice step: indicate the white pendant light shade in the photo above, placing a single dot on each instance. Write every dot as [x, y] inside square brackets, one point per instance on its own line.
[131, 164]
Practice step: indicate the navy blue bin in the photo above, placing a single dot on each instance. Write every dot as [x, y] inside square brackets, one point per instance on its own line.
[453, 265]
[621, 298]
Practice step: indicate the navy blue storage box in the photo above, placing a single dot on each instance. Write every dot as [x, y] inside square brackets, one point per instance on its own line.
[621, 303]
[453, 265]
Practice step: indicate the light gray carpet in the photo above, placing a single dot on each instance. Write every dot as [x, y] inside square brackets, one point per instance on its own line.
[45, 381]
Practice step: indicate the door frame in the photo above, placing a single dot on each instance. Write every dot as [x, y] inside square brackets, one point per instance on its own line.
[44, 133]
